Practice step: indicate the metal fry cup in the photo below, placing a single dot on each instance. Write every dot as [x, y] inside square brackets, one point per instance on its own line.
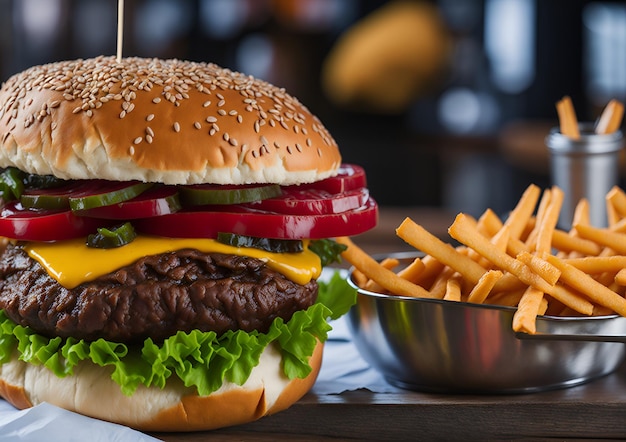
[584, 168]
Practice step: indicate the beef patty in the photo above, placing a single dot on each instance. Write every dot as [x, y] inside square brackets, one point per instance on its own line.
[154, 297]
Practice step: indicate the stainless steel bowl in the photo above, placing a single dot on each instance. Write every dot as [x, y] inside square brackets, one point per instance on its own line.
[446, 346]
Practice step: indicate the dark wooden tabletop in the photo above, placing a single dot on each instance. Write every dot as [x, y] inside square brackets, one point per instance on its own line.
[592, 411]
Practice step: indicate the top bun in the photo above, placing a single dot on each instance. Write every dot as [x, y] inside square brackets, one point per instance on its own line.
[168, 121]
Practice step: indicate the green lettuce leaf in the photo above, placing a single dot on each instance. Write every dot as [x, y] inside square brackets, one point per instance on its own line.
[200, 359]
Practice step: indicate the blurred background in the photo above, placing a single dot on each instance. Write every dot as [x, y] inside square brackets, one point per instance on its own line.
[446, 103]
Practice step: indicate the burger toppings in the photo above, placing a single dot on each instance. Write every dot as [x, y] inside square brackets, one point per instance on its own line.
[109, 238]
[203, 194]
[271, 245]
[72, 263]
[154, 297]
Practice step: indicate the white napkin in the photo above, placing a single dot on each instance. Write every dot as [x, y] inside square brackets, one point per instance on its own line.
[343, 368]
[46, 422]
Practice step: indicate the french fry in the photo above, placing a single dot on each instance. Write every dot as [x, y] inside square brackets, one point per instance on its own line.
[439, 287]
[611, 118]
[613, 240]
[483, 287]
[567, 118]
[421, 239]
[620, 277]
[453, 290]
[544, 203]
[581, 214]
[373, 270]
[616, 202]
[432, 268]
[489, 223]
[525, 317]
[589, 286]
[509, 298]
[572, 299]
[541, 267]
[574, 243]
[521, 214]
[413, 271]
[548, 221]
[598, 264]
[388, 263]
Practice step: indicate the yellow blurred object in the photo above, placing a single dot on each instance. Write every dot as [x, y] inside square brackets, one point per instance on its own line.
[384, 61]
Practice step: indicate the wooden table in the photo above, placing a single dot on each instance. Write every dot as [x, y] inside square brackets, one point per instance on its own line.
[592, 411]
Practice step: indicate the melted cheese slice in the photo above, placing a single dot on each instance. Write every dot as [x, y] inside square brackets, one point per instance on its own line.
[72, 262]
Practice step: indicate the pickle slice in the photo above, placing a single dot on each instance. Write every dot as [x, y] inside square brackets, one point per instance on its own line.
[204, 194]
[112, 237]
[101, 193]
[267, 244]
[50, 199]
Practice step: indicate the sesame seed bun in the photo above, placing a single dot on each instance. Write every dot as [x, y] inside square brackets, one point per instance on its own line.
[174, 408]
[168, 121]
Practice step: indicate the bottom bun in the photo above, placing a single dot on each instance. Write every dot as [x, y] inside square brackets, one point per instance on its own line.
[90, 391]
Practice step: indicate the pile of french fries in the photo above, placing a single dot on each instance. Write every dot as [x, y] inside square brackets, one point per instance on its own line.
[525, 261]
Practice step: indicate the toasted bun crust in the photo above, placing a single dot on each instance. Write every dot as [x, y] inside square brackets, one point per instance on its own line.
[168, 121]
[90, 391]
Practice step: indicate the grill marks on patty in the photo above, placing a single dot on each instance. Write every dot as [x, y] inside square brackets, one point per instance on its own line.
[154, 297]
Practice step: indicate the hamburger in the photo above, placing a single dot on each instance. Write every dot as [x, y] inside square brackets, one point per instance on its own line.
[164, 225]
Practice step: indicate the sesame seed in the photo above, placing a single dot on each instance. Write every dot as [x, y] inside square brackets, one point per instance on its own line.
[131, 150]
[156, 100]
[176, 127]
[149, 139]
[149, 131]
[206, 104]
[239, 119]
[211, 119]
[221, 103]
[197, 125]
[233, 142]
[222, 112]
[137, 140]
[122, 114]
[150, 117]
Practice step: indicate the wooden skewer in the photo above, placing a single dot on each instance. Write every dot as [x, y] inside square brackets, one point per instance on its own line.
[611, 118]
[567, 118]
[120, 28]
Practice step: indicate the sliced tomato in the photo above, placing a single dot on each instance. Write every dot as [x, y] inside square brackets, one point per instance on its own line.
[250, 222]
[349, 177]
[298, 201]
[19, 223]
[157, 201]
